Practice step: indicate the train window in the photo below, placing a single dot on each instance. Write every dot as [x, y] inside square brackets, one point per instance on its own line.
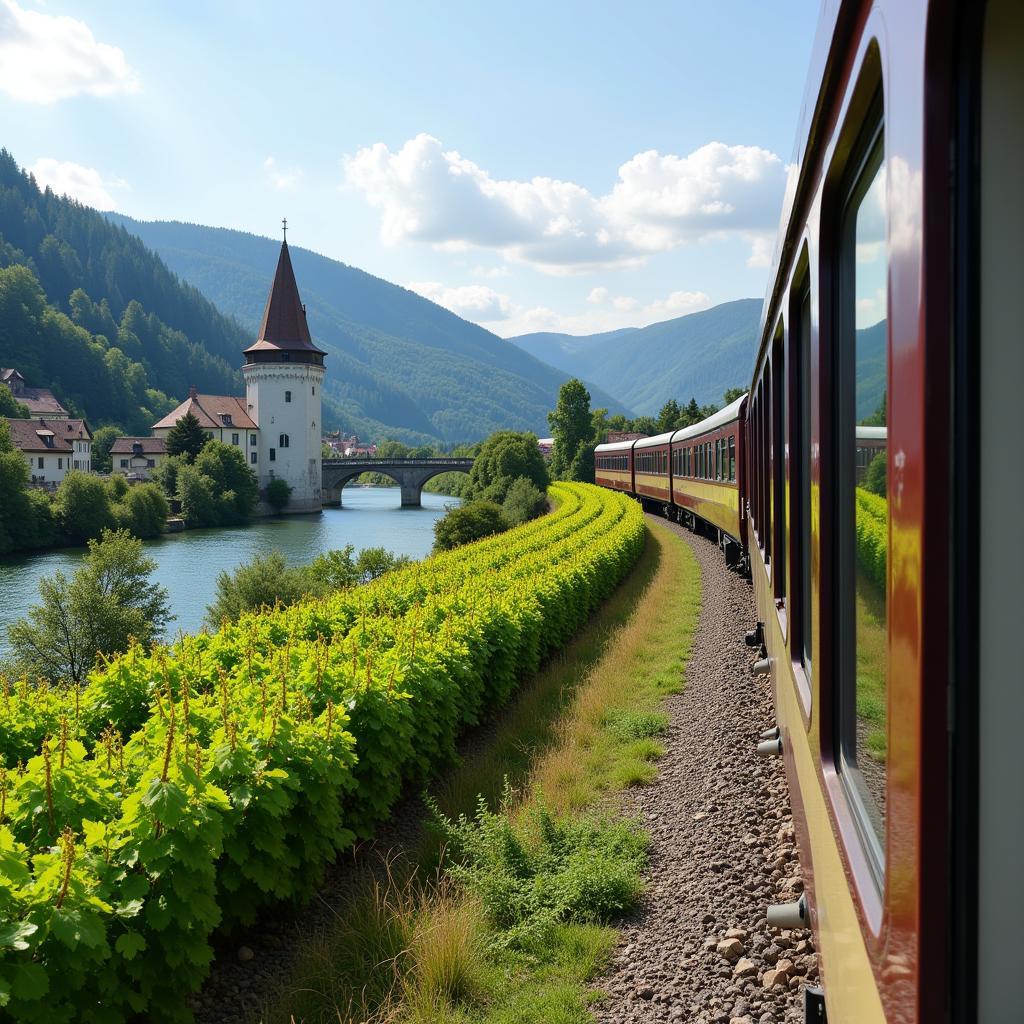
[800, 512]
[732, 458]
[863, 512]
[766, 465]
[780, 418]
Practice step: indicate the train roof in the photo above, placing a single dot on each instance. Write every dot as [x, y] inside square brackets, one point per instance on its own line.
[615, 446]
[652, 442]
[713, 422]
[872, 433]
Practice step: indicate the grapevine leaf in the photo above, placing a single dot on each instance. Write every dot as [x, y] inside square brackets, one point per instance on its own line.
[129, 908]
[95, 832]
[13, 934]
[166, 800]
[30, 981]
[130, 944]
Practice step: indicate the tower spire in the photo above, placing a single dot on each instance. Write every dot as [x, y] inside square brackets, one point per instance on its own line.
[284, 228]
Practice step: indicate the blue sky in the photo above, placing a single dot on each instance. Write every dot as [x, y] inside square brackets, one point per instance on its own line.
[533, 166]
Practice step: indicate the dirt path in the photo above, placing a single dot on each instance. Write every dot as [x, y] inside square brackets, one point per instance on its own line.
[698, 949]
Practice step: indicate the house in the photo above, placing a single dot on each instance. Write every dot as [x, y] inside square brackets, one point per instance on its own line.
[137, 457]
[223, 417]
[39, 401]
[52, 448]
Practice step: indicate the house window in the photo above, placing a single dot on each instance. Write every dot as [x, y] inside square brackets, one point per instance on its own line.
[124, 463]
[40, 461]
[252, 458]
[209, 433]
[314, 389]
[225, 418]
[150, 463]
[60, 463]
[234, 439]
[273, 454]
[252, 440]
[282, 441]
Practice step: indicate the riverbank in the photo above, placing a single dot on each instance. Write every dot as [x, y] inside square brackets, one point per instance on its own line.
[189, 562]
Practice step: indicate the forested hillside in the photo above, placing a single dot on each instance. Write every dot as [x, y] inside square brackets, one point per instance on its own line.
[398, 365]
[696, 356]
[88, 310]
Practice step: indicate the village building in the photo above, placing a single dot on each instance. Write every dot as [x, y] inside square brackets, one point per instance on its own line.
[277, 424]
[38, 401]
[136, 458]
[52, 448]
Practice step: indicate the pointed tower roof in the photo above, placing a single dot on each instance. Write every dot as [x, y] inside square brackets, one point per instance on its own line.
[284, 326]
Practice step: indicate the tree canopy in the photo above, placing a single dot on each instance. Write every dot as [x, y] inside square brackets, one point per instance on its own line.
[186, 438]
[572, 456]
[503, 457]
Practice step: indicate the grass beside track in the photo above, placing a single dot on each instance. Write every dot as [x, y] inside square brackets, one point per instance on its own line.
[414, 947]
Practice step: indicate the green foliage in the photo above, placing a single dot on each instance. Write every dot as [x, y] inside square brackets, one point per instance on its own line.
[523, 502]
[108, 602]
[472, 521]
[872, 526]
[502, 458]
[279, 492]
[26, 516]
[83, 506]
[731, 394]
[102, 441]
[533, 874]
[876, 476]
[219, 489]
[142, 511]
[186, 438]
[572, 430]
[627, 724]
[204, 783]
[10, 406]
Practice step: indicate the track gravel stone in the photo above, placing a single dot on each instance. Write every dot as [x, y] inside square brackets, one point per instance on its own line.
[698, 948]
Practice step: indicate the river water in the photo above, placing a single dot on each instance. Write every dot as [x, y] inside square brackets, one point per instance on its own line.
[188, 563]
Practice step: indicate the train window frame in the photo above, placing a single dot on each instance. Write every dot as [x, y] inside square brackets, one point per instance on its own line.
[779, 444]
[867, 158]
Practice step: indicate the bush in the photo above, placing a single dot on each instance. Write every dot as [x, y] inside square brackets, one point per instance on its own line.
[533, 874]
[872, 529]
[470, 522]
[503, 458]
[261, 583]
[523, 502]
[218, 489]
[876, 475]
[143, 510]
[278, 493]
[83, 506]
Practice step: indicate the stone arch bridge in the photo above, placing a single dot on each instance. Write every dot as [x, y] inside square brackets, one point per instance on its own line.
[409, 474]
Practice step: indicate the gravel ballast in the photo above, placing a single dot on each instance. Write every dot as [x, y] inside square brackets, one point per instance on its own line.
[698, 949]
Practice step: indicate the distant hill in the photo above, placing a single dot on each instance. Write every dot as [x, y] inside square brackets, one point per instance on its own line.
[695, 356]
[87, 310]
[398, 365]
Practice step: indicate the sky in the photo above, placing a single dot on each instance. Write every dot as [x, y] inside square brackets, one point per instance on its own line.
[533, 166]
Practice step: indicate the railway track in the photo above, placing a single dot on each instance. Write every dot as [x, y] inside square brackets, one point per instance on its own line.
[699, 948]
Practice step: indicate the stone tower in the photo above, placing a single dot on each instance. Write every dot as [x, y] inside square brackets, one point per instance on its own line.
[284, 373]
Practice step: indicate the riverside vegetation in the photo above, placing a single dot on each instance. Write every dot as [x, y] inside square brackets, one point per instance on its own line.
[187, 788]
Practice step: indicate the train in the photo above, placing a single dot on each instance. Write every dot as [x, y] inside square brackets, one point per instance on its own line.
[889, 354]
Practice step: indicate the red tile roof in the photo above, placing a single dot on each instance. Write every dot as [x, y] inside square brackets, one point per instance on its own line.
[210, 410]
[149, 445]
[29, 435]
[284, 324]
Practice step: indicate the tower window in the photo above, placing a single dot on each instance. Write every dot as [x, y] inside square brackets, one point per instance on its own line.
[287, 396]
[252, 458]
[273, 454]
[314, 389]
[252, 440]
[282, 441]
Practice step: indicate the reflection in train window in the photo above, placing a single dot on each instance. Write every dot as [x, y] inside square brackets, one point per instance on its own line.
[863, 512]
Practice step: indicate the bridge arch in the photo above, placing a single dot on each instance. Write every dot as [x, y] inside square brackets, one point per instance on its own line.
[409, 474]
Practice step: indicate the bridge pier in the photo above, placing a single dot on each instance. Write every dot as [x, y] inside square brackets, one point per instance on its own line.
[411, 493]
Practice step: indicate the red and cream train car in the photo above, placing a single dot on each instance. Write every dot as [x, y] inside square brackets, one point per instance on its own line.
[613, 465]
[896, 297]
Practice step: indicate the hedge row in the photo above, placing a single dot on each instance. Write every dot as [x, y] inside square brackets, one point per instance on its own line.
[872, 525]
[188, 788]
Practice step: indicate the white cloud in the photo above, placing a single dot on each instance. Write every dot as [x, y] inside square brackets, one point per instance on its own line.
[660, 202]
[474, 302]
[85, 184]
[490, 273]
[46, 57]
[598, 296]
[760, 251]
[281, 177]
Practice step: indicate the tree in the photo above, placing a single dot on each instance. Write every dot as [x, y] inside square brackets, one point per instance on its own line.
[186, 438]
[102, 442]
[26, 517]
[503, 457]
[278, 493]
[524, 501]
[235, 485]
[669, 417]
[143, 510]
[732, 394]
[83, 507]
[571, 429]
[10, 406]
[108, 601]
[876, 476]
[470, 522]
[261, 583]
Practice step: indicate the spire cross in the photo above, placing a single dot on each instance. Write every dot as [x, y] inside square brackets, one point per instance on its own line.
[284, 227]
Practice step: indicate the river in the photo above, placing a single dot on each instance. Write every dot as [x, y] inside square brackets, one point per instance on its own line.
[188, 563]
